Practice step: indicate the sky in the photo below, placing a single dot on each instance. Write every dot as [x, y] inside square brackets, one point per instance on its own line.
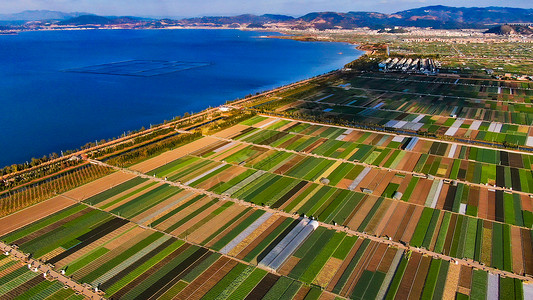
[193, 8]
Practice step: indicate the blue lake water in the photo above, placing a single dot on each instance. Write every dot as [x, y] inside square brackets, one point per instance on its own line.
[46, 109]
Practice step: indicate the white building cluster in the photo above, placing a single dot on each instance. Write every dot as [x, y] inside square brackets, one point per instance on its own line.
[410, 65]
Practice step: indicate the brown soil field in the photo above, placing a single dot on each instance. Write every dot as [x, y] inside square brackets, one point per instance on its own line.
[231, 132]
[435, 236]
[126, 192]
[196, 284]
[451, 282]
[368, 179]
[366, 205]
[189, 176]
[449, 234]
[400, 230]
[199, 235]
[386, 178]
[250, 238]
[491, 203]
[404, 183]
[185, 227]
[176, 200]
[305, 187]
[386, 262]
[228, 229]
[98, 186]
[395, 219]
[260, 157]
[204, 151]
[327, 272]
[378, 216]
[172, 155]
[465, 277]
[344, 265]
[121, 202]
[289, 264]
[442, 196]
[132, 234]
[33, 213]
[182, 214]
[265, 122]
[302, 292]
[527, 202]
[483, 205]
[314, 145]
[327, 296]
[344, 183]
[290, 141]
[260, 238]
[228, 152]
[409, 276]
[528, 254]
[286, 126]
[410, 229]
[206, 285]
[420, 278]
[320, 130]
[377, 257]
[289, 164]
[353, 136]
[408, 162]
[421, 191]
[386, 219]
[225, 176]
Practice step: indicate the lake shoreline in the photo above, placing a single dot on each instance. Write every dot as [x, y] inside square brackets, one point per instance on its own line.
[221, 100]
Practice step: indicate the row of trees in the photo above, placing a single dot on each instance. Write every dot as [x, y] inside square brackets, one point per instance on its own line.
[15, 200]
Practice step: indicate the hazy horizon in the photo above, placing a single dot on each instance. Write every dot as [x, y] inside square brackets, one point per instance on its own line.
[187, 8]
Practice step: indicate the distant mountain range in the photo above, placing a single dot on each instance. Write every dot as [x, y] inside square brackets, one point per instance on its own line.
[443, 17]
[432, 16]
[40, 15]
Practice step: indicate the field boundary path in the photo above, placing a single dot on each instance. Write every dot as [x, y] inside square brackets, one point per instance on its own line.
[370, 165]
[383, 240]
[394, 133]
[49, 273]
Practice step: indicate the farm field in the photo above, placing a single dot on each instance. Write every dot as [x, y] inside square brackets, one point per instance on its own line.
[187, 254]
[407, 192]
[458, 109]
[292, 183]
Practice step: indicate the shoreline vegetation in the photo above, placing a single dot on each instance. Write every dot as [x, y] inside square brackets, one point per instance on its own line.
[17, 176]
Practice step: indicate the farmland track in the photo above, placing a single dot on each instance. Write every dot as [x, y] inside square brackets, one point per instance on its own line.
[392, 110]
[372, 166]
[392, 133]
[386, 241]
[443, 82]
